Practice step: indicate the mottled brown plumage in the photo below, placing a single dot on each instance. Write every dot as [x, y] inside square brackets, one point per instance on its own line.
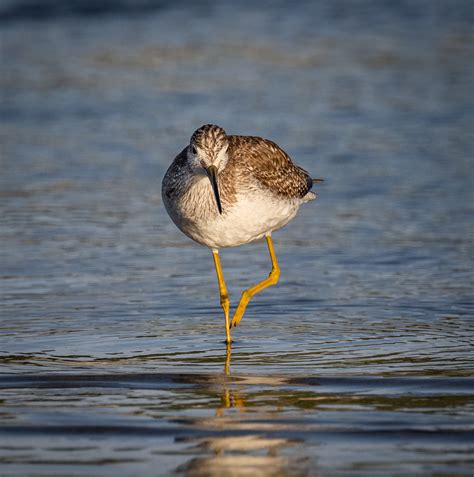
[209, 137]
[269, 165]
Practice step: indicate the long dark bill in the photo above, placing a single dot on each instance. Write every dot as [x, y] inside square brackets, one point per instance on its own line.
[212, 174]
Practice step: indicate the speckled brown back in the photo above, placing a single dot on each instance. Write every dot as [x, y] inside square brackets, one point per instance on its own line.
[268, 164]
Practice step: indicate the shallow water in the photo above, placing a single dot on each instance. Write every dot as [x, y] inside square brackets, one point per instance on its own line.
[359, 362]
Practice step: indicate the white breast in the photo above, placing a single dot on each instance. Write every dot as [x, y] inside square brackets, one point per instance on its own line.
[249, 218]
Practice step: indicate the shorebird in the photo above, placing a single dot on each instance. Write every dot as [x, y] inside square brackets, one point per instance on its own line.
[225, 191]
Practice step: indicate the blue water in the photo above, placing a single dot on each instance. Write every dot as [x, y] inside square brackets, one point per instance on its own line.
[359, 362]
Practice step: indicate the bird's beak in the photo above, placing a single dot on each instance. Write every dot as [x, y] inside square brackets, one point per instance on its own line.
[212, 174]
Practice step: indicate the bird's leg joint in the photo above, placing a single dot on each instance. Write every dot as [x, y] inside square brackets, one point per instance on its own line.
[274, 275]
[245, 296]
[225, 302]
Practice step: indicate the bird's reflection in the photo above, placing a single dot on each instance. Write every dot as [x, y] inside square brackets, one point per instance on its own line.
[236, 464]
[235, 454]
[229, 398]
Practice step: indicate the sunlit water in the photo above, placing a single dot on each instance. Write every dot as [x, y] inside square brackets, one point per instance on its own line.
[360, 361]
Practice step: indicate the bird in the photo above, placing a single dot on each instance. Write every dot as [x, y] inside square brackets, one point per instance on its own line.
[227, 190]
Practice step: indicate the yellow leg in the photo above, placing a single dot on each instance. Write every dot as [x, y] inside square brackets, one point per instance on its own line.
[227, 359]
[248, 294]
[225, 303]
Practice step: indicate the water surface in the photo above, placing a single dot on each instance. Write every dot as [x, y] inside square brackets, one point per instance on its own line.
[360, 361]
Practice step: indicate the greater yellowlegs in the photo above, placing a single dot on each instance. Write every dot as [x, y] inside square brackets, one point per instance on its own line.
[225, 191]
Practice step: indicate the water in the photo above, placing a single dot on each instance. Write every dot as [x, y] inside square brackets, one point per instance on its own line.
[359, 362]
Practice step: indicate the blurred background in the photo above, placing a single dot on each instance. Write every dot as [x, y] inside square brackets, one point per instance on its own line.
[97, 98]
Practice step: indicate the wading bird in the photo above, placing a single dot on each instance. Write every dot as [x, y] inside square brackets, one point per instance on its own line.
[225, 191]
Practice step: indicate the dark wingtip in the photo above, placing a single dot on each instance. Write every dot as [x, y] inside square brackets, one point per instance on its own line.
[310, 182]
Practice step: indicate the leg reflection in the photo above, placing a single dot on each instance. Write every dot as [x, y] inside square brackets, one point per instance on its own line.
[249, 447]
[229, 397]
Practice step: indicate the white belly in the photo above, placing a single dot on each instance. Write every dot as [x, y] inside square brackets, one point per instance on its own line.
[249, 218]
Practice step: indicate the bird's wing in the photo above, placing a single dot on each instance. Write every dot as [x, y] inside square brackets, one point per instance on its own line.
[269, 165]
[173, 179]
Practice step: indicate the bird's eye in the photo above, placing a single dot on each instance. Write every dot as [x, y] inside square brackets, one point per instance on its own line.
[194, 150]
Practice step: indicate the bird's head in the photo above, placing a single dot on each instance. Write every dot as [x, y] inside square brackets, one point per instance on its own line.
[207, 154]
